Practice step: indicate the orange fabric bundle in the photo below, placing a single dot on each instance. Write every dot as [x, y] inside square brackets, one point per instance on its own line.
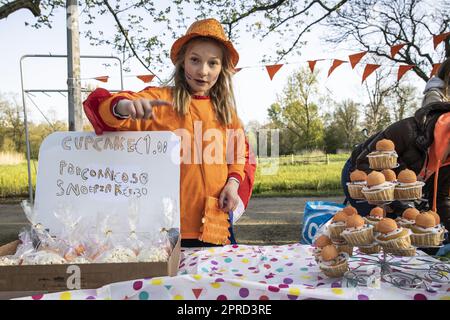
[215, 224]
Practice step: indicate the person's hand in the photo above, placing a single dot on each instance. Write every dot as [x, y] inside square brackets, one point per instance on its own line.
[229, 198]
[139, 108]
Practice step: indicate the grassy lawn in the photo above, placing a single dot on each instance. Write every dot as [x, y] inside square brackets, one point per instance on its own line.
[306, 177]
[14, 180]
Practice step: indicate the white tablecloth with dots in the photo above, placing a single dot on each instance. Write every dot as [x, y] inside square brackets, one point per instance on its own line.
[237, 272]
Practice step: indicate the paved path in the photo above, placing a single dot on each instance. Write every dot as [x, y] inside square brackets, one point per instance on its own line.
[267, 221]
[270, 221]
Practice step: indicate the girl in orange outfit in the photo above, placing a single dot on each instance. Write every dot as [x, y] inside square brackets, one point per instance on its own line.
[200, 108]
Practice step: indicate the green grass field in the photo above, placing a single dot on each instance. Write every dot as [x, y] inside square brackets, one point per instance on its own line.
[299, 180]
[308, 176]
[14, 180]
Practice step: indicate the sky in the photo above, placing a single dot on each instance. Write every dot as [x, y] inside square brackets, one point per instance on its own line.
[254, 90]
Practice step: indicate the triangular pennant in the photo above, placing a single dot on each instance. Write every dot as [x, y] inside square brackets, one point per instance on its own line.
[368, 70]
[168, 287]
[146, 78]
[439, 38]
[102, 79]
[336, 63]
[312, 64]
[197, 292]
[435, 69]
[402, 70]
[355, 58]
[272, 69]
[396, 48]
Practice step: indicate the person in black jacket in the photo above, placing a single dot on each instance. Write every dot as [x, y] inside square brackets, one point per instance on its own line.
[412, 137]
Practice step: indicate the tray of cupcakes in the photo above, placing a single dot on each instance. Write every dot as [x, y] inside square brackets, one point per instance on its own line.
[374, 234]
[382, 185]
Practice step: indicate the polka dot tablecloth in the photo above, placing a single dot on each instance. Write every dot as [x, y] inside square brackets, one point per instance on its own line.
[234, 272]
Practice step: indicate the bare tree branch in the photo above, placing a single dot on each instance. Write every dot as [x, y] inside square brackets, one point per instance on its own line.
[125, 34]
[14, 6]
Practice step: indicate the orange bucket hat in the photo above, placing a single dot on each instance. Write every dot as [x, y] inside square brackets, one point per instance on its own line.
[210, 28]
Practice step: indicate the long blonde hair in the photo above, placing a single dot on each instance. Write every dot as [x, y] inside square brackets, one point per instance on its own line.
[221, 94]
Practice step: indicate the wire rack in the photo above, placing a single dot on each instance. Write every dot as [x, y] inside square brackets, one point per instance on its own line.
[409, 273]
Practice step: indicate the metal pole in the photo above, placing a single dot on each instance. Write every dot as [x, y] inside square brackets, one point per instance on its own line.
[73, 67]
[30, 185]
[27, 141]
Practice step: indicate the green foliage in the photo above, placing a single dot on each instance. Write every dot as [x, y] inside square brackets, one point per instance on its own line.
[296, 112]
[343, 131]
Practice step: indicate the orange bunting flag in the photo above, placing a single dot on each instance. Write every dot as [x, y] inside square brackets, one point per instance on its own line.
[102, 79]
[439, 38]
[272, 69]
[396, 48]
[402, 70]
[336, 63]
[368, 70]
[146, 78]
[435, 69]
[355, 58]
[312, 64]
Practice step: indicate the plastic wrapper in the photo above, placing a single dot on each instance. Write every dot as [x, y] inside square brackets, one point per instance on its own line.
[156, 247]
[38, 234]
[43, 257]
[25, 246]
[133, 241]
[9, 260]
[169, 213]
[112, 242]
[73, 240]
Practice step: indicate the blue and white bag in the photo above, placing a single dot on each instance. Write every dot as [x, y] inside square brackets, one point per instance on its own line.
[316, 214]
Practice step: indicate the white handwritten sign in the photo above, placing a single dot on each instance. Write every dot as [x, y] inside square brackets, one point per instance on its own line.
[93, 174]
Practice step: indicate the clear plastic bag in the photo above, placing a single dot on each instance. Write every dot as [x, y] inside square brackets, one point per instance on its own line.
[25, 246]
[133, 241]
[38, 234]
[43, 257]
[156, 247]
[112, 242]
[169, 223]
[72, 239]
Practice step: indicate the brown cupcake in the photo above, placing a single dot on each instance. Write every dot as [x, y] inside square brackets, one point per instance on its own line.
[389, 175]
[375, 216]
[320, 242]
[332, 263]
[337, 225]
[391, 236]
[408, 188]
[384, 157]
[357, 232]
[357, 182]
[350, 211]
[426, 232]
[377, 188]
[408, 218]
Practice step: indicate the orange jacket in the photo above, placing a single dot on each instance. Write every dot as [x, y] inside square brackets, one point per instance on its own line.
[198, 178]
[437, 153]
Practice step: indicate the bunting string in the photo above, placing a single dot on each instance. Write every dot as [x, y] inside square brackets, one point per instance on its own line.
[353, 59]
